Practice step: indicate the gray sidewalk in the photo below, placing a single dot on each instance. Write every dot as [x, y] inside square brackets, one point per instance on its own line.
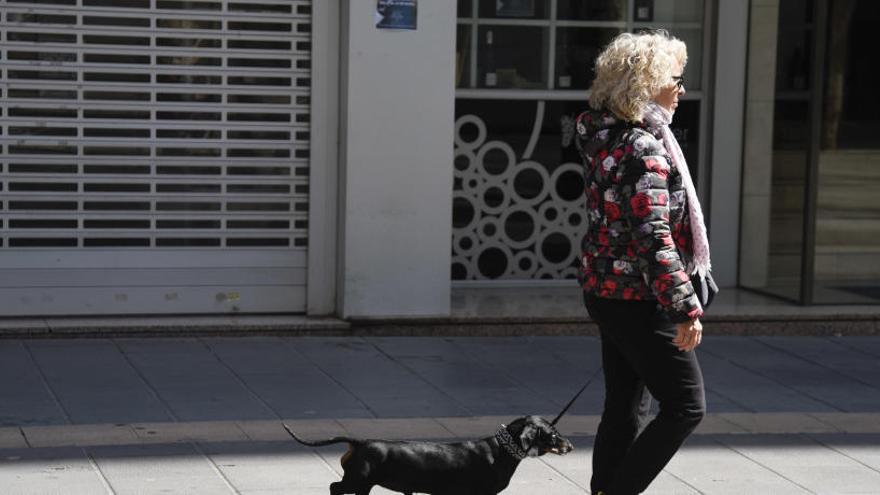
[202, 415]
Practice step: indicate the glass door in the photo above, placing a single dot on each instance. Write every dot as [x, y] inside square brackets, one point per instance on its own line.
[811, 170]
[777, 148]
[846, 265]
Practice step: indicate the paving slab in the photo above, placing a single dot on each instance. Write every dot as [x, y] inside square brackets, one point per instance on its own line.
[548, 369]
[271, 467]
[864, 449]
[851, 422]
[468, 374]
[288, 383]
[828, 352]
[808, 378]
[395, 429]
[56, 471]
[473, 427]
[712, 468]
[155, 469]
[714, 423]
[576, 467]
[270, 430]
[191, 382]
[750, 388]
[81, 435]
[12, 438]
[199, 431]
[24, 396]
[807, 463]
[94, 383]
[778, 422]
[388, 389]
[579, 425]
[861, 344]
[533, 473]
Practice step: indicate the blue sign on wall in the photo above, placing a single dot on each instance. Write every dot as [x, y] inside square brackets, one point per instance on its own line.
[396, 14]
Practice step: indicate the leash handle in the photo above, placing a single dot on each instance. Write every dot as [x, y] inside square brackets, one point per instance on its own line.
[565, 409]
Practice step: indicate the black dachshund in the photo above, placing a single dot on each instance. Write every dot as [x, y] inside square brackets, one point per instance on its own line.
[482, 467]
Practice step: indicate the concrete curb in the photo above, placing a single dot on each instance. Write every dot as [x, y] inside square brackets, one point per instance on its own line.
[440, 428]
[831, 324]
[171, 326]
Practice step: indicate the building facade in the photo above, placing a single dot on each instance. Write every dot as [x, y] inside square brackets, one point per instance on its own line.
[292, 156]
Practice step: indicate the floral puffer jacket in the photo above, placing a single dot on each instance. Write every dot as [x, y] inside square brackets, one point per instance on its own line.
[638, 242]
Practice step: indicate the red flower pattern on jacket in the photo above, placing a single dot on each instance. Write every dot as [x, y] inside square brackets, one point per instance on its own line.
[638, 241]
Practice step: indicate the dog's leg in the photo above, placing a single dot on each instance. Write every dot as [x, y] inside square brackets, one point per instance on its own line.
[343, 488]
[356, 487]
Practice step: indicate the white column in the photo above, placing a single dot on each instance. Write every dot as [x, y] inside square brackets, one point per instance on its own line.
[758, 157]
[729, 105]
[397, 100]
[324, 162]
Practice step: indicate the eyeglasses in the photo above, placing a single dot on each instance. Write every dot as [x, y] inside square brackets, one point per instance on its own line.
[679, 82]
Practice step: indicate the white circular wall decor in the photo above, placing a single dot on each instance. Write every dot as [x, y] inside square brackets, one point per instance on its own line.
[513, 219]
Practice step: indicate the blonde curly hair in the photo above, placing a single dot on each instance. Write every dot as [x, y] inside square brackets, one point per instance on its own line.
[632, 69]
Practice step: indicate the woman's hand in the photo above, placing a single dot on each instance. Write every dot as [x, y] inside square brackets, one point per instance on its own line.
[689, 334]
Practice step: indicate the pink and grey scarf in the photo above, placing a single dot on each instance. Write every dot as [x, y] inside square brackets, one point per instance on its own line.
[660, 118]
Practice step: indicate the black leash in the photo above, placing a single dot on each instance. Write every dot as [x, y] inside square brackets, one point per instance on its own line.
[565, 409]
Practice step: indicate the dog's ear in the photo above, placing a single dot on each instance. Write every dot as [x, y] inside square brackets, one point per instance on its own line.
[527, 436]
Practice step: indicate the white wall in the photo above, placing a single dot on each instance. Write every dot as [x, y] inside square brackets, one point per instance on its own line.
[396, 141]
[727, 139]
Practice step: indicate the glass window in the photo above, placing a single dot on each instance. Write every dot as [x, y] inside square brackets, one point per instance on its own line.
[847, 245]
[512, 57]
[514, 9]
[599, 10]
[668, 10]
[463, 56]
[693, 38]
[518, 199]
[775, 165]
[576, 50]
[517, 196]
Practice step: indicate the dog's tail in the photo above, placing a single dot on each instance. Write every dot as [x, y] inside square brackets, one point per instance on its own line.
[319, 443]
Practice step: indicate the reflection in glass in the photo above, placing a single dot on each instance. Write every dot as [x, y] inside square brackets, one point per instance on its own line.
[598, 10]
[668, 10]
[512, 57]
[520, 9]
[576, 52]
[847, 246]
[776, 162]
[462, 56]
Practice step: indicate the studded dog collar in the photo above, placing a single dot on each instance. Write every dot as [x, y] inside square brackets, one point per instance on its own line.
[509, 443]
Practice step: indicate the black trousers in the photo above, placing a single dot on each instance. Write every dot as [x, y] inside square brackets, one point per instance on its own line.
[639, 361]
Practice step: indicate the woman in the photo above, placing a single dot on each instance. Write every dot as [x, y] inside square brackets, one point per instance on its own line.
[646, 237]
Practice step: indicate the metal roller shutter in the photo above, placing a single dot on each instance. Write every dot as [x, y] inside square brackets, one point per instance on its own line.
[154, 156]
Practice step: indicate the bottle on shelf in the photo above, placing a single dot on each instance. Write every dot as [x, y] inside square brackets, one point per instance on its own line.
[564, 81]
[644, 10]
[798, 70]
[491, 76]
